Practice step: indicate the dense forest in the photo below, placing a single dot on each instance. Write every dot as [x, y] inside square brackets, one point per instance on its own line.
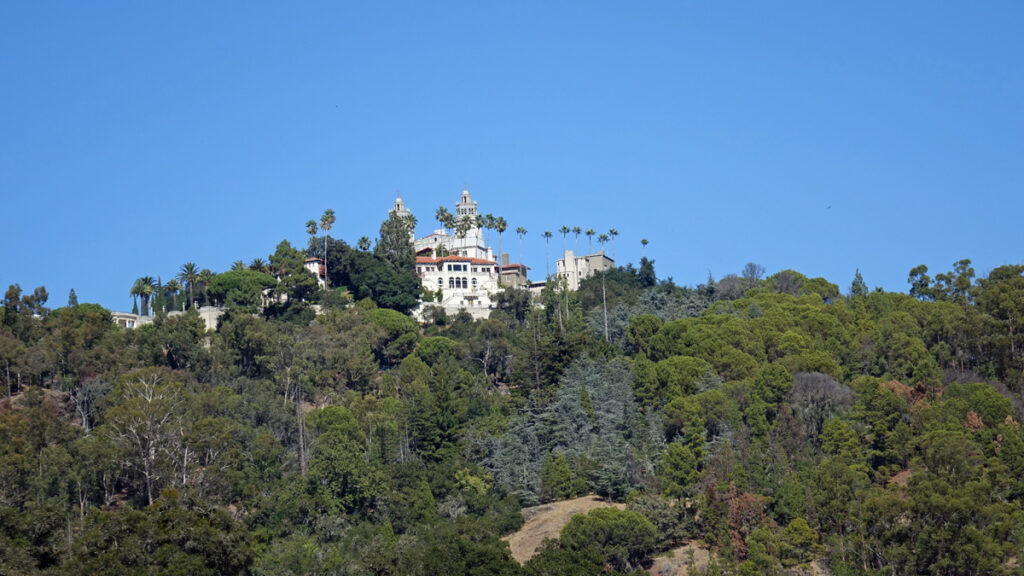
[778, 420]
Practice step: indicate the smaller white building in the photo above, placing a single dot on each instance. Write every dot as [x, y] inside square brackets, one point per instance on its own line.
[575, 268]
[317, 268]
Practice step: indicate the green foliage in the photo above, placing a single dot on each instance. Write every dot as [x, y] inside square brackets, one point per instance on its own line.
[169, 538]
[241, 289]
[623, 537]
[773, 420]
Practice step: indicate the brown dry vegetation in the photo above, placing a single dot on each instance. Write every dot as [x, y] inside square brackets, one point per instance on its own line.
[547, 521]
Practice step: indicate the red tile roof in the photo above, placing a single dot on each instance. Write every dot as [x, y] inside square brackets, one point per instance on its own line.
[426, 260]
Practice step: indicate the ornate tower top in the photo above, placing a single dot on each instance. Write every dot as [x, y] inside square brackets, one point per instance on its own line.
[399, 209]
[466, 206]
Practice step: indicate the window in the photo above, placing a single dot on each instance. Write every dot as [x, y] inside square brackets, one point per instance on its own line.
[474, 283]
[440, 283]
[465, 283]
[451, 282]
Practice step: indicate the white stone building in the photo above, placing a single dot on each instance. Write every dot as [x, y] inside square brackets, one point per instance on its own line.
[460, 282]
[460, 267]
[575, 268]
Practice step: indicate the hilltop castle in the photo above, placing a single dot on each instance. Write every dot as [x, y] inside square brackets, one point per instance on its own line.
[460, 271]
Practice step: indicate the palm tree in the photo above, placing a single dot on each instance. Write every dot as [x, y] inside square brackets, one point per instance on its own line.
[204, 278]
[188, 274]
[237, 265]
[364, 244]
[500, 225]
[326, 221]
[258, 264]
[613, 233]
[462, 226]
[143, 288]
[565, 231]
[590, 240]
[134, 293]
[643, 246]
[489, 223]
[311, 230]
[601, 240]
[173, 286]
[410, 223]
[547, 245]
[443, 217]
[521, 232]
[576, 230]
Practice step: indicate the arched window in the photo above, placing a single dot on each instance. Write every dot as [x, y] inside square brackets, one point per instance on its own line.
[440, 282]
[465, 283]
[451, 282]
[474, 283]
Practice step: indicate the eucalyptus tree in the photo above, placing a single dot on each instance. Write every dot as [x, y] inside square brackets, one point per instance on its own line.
[613, 233]
[576, 232]
[188, 274]
[547, 257]
[326, 222]
[590, 240]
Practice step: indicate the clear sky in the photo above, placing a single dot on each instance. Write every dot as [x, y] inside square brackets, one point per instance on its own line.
[818, 136]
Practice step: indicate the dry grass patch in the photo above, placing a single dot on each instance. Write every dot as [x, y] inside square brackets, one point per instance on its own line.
[547, 521]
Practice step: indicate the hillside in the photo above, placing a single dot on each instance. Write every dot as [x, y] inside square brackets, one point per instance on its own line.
[863, 432]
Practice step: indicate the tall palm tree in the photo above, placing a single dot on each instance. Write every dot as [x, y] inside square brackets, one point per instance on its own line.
[311, 229]
[188, 274]
[326, 222]
[643, 247]
[489, 223]
[520, 231]
[462, 226]
[576, 230]
[443, 217]
[173, 286]
[143, 288]
[613, 233]
[204, 278]
[500, 225]
[590, 240]
[565, 231]
[364, 244]
[547, 245]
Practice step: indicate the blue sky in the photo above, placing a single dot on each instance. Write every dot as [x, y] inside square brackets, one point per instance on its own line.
[818, 136]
